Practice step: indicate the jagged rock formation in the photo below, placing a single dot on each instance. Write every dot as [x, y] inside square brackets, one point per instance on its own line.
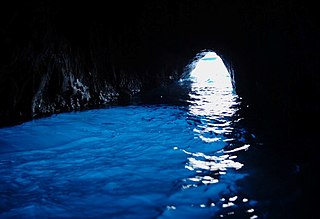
[69, 56]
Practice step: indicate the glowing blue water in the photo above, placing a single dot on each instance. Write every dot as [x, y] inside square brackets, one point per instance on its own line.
[124, 162]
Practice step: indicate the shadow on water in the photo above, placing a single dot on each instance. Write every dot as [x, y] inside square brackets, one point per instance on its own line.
[183, 151]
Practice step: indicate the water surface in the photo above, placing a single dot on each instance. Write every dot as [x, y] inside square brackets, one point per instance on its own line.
[138, 161]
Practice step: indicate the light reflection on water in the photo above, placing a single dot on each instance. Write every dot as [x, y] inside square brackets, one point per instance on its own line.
[152, 161]
[212, 113]
[213, 104]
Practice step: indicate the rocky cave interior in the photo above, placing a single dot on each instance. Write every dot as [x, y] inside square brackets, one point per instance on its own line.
[61, 56]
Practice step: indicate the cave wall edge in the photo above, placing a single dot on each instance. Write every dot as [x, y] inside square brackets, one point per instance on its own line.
[58, 59]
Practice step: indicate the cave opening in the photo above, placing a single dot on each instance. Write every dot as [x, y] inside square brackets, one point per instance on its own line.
[208, 68]
[211, 86]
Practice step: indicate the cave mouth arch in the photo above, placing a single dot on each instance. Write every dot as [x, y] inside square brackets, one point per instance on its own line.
[205, 70]
[208, 69]
[211, 87]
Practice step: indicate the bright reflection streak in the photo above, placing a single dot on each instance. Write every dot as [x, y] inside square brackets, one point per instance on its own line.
[212, 98]
[244, 147]
[213, 165]
[213, 104]
[212, 107]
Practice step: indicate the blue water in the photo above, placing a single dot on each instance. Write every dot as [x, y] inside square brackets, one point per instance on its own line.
[126, 162]
[195, 160]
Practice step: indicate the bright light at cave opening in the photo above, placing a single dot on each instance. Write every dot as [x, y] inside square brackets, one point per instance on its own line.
[210, 69]
[212, 92]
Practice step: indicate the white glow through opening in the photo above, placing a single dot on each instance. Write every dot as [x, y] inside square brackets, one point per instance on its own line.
[210, 70]
[212, 92]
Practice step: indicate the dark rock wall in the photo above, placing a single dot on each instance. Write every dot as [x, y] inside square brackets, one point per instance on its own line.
[61, 56]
